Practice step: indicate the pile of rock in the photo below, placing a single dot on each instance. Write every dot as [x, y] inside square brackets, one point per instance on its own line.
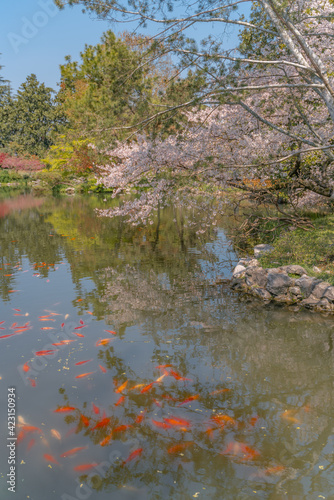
[285, 285]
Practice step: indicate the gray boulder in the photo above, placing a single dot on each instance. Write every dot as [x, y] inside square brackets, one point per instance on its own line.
[278, 282]
[256, 276]
[261, 249]
[306, 285]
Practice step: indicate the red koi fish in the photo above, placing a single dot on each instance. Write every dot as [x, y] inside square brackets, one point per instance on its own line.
[121, 387]
[176, 421]
[47, 352]
[96, 409]
[73, 451]
[140, 418]
[84, 467]
[30, 444]
[162, 425]
[106, 440]
[102, 342]
[82, 375]
[50, 458]
[176, 448]
[8, 335]
[64, 409]
[63, 342]
[82, 362]
[2, 322]
[111, 331]
[242, 450]
[62, 325]
[32, 382]
[177, 376]
[81, 322]
[78, 334]
[120, 401]
[134, 454]
[103, 370]
[188, 400]
[85, 420]
[31, 428]
[161, 367]
[122, 428]
[103, 423]
[147, 388]
[219, 391]
[253, 421]
[79, 327]
[224, 419]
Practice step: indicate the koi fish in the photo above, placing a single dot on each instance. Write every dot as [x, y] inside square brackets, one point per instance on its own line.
[64, 409]
[79, 327]
[103, 423]
[103, 370]
[160, 367]
[8, 335]
[122, 387]
[102, 342]
[32, 382]
[96, 409]
[219, 391]
[278, 469]
[179, 447]
[84, 467]
[177, 421]
[50, 458]
[177, 376]
[162, 377]
[191, 398]
[89, 312]
[106, 440]
[81, 322]
[47, 328]
[253, 421]
[120, 401]
[286, 415]
[85, 420]
[73, 451]
[162, 425]
[78, 334]
[147, 388]
[139, 419]
[46, 319]
[2, 322]
[246, 452]
[122, 428]
[82, 362]
[136, 387]
[134, 454]
[55, 434]
[111, 331]
[62, 325]
[224, 419]
[31, 444]
[47, 352]
[84, 374]
[31, 428]
[63, 342]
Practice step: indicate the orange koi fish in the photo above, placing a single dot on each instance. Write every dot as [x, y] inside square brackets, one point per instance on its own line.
[162, 425]
[160, 367]
[106, 440]
[286, 415]
[136, 387]
[122, 387]
[31, 428]
[278, 469]
[63, 342]
[8, 335]
[85, 420]
[253, 420]
[89, 312]
[177, 376]
[64, 409]
[47, 352]
[31, 444]
[78, 334]
[122, 428]
[191, 398]
[162, 377]
[140, 418]
[120, 401]
[147, 388]
[47, 328]
[103, 423]
[73, 451]
[224, 419]
[50, 458]
[46, 319]
[134, 454]
[32, 382]
[244, 451]
[111, 331]
[176, 448]
[103, 370]
[177, 421]
[84, 374]
[82, 362]
[219, 391]
[96, 409]
[26, 367]
[102, 342]
[84, 467]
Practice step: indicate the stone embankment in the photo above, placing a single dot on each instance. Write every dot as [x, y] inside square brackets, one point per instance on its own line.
[284, 285]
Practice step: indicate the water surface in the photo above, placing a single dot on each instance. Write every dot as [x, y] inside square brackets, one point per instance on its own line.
[190, 393]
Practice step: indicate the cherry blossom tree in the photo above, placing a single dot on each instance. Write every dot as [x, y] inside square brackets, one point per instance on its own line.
[266, 110]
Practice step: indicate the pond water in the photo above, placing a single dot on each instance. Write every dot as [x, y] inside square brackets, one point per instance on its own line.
[138, 374]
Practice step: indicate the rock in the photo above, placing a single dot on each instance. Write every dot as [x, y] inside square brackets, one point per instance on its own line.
[70, 191]
[278, 282]
[238, 269]
[310, 302]
[261, 249]
[295, 291]
[329, 294]
[306, 285]
[294, 269]
[319, 289]
[283, 298]
[256, 276]
[261, 293]
[324, 305]
[316, 269]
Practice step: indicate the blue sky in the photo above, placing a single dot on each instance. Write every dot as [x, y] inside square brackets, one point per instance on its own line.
[35, 37]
